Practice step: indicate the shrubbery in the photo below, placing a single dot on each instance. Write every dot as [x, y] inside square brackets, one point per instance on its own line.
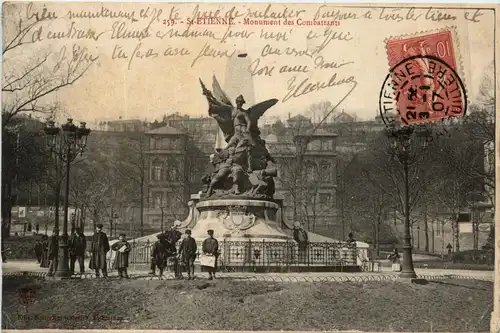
[20, 247]
[484, 257]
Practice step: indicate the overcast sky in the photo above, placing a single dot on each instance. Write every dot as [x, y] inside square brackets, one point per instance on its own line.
[150, 88]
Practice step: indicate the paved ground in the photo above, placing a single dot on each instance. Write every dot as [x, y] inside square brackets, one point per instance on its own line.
[32, 266]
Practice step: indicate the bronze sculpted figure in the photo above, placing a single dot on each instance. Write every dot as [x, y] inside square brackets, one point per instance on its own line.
[245, 151]
[225, 167]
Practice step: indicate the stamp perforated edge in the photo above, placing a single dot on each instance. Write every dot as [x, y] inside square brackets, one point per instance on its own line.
[456, 46]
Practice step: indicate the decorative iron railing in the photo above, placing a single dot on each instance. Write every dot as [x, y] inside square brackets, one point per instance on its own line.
[245, 255]
[269, 277]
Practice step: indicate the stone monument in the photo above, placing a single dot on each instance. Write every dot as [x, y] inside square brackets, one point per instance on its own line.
[237, 201]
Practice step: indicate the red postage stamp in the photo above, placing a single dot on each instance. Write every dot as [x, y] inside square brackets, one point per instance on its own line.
[423, 84]
[438, 44]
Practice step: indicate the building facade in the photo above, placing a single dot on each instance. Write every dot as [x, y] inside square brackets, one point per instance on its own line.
[179, 157]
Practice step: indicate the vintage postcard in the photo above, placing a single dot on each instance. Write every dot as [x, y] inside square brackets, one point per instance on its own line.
[249, 167]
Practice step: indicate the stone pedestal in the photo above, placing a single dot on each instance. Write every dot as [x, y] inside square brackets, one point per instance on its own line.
[239, 220]
[248, 231]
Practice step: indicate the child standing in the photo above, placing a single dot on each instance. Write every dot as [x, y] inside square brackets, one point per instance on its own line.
[122, 248]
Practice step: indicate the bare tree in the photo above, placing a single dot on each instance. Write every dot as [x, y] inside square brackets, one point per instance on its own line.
[290, 155]
[387, 174]
[25, 162]
[29, 81]
[308, 181]
[30, 77]
[487, 86]
[94, 180]
[476, 135]
[184, 173]
[132, 168]
[321, 112]
[368, 203]
[346, 162]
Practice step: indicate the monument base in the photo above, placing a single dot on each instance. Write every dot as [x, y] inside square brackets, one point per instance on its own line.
[239, 220]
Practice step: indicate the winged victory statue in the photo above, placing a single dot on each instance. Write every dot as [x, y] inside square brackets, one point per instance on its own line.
[243, 166]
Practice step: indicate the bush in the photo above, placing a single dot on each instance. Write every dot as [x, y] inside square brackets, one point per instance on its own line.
[20, 247]
[485, 257]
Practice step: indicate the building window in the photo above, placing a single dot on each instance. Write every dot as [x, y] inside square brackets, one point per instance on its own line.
[157, 199]
[175, 143]
[326, 171]
[328, 145]
[310, 171]
[314, 145]
[324, 198]
[165, 143]
[324, 145]
[172, 171]
[157, 143]
[167, 201]
[175, 173]
[156, 170]
[310, 198]
[168, 170]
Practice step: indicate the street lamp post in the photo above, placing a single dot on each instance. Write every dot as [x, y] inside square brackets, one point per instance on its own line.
[67, 143]
[401, 148]
[418, 237]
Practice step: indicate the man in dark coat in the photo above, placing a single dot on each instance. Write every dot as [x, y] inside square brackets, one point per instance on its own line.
[163, 250]
[122, 248]
[187, 251]
[210, 247]
[53, 252]
[4, 253]
[44, 262]
[158, 253]
[38, 250]
[99, 249]
[77, 246]
[302, 239]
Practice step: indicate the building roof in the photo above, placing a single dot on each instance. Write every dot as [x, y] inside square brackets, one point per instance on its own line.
[165, 130]
[322, 132]
[298, 117]
[271, 138]
[124, 121]
[319, 132]
[343, 117]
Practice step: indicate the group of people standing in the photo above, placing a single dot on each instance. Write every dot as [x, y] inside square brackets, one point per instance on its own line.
[47, 252]
[164, 251]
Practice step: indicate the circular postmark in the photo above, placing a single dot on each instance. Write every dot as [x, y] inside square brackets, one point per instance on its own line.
[422, 89]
